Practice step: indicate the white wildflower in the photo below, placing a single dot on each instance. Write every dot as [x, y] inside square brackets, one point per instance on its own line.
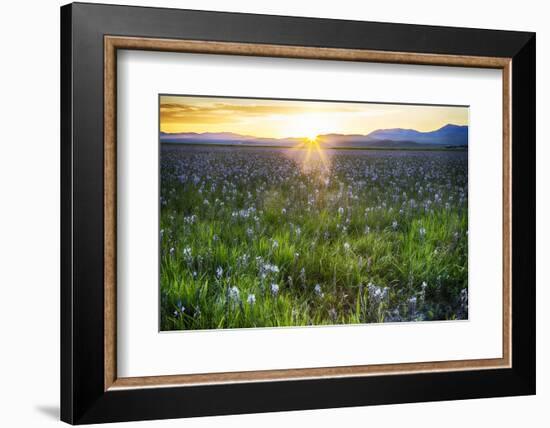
[318, 290]
[233, 293]
[187, 254]
[412, 305]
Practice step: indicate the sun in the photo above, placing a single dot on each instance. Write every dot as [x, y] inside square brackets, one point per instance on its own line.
[305, 126]
[312, 137]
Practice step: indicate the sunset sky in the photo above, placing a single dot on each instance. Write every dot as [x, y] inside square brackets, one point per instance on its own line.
[279, 119]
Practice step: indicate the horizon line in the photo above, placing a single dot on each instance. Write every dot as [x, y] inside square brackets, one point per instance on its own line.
[320, 135]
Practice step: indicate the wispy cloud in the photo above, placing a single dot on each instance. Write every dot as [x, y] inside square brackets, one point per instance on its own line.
[280, 118]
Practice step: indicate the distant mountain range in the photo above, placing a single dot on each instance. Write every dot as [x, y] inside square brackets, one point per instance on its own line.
[448, 135]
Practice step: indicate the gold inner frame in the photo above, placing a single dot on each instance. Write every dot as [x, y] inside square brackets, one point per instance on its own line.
[113, 43]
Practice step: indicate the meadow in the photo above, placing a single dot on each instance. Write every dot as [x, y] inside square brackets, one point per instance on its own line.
[273, 237]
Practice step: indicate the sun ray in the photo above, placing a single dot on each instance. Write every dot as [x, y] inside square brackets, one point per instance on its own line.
[311, 156]
[299, 146]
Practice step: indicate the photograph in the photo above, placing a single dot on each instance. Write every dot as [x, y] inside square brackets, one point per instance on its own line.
[291, 213]
[268, 209]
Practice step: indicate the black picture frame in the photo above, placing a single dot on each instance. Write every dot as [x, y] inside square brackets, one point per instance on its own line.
[83, 398]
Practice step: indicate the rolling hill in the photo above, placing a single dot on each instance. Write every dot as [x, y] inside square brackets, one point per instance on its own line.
[447, 136]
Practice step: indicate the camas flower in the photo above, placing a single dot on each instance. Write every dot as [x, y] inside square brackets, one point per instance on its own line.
[180, 309]
[233, 293]
[318, 290]
[251, 299]
[274, 289]
[464, 297]
[412, 305]
[266, 269]
[377, 294]
[187, 253]
[190, 219]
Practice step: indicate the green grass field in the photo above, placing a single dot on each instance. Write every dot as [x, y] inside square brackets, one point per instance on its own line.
[254, 237]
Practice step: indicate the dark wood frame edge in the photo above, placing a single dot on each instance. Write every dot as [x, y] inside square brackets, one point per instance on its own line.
[83, 396]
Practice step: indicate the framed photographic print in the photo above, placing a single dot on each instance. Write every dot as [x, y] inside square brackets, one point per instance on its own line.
[264, 213]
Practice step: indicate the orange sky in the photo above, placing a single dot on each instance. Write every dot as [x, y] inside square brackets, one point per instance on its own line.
[279, 119]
